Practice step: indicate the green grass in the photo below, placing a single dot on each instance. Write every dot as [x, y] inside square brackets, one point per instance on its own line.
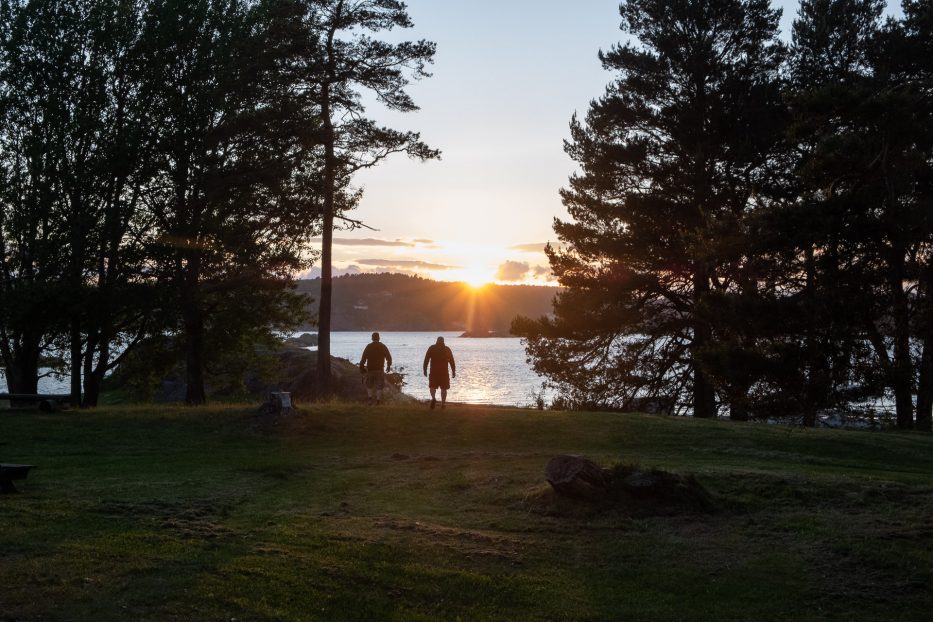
[350, 513]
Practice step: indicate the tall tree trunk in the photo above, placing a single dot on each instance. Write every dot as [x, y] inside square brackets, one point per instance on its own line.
[89, 369]
[98, 345]
[194, 356]
[22, 370]
[925, 388]
[77, 244]
[76, 358]
[811, 393]
[94, 374]
[323, 389]
[704, 396]
[738, 406]
[924, 421]
[193, 318]
[88, 372]
[903, 372]
[92, 392]
[19, 380]
[902, 378]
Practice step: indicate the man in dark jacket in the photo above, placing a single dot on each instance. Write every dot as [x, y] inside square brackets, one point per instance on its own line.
[375, 356]
[439, 356]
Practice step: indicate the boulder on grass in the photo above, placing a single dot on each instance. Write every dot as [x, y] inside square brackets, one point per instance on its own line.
[629, 488]
[575, 476]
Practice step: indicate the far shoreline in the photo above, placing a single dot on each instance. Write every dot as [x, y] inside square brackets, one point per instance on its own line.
[492, 334]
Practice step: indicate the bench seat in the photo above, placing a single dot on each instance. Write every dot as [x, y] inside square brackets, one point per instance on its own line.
[10, 472]
[47, 402]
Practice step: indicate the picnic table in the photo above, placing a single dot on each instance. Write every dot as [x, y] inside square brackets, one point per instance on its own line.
[10, 472]
[48, 402]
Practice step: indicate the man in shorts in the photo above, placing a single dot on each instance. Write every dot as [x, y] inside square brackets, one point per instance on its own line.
[376, 356]
[439, 356]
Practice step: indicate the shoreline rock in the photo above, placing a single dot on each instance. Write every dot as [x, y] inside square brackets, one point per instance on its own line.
[289, 367]
[481, 334]
[304, 340]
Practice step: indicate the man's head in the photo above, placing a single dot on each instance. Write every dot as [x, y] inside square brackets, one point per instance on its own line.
[375, 336]
[440, 341]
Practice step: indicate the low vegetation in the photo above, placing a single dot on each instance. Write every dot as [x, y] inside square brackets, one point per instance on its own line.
[350, 513]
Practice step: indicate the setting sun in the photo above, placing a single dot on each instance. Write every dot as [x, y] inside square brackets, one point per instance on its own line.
[475, 277]
[478, 270]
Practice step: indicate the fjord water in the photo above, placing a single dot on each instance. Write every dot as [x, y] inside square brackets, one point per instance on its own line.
[489, 371]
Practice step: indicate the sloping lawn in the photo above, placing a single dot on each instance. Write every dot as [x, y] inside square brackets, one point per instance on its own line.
[353, 513]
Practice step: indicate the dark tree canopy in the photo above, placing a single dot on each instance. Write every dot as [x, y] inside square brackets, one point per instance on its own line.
[158, 177]
[752, 227]
[672, 157]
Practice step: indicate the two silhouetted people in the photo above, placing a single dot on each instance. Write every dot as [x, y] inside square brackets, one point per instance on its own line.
[376, 361]
[439, 357]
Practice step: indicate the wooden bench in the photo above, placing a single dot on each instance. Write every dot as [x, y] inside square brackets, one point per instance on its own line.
[48, 402]
[10, 472]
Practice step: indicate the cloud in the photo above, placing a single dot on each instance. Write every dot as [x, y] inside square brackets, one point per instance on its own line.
[409, 264]
[533, 247]
[512, 271]
[542, 271]
[315, 272]
[423, 241]
[369, 242]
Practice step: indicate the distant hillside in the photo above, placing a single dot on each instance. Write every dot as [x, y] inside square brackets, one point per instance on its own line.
[399, 302]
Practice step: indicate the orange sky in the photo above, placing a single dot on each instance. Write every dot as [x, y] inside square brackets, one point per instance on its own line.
[498, 107]
[475, 263]
[508, 76]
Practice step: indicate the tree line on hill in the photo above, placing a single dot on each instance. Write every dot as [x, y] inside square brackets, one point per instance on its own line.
[751, 226]
[377, 302]
[164, 165]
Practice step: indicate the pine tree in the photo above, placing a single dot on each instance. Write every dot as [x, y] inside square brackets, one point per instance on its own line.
[671, 159]
[33, 86]
[917, 58]
[227, 200]
[861, 118]
[349, 62]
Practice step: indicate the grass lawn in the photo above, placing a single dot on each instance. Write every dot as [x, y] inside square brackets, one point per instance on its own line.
[352, 513]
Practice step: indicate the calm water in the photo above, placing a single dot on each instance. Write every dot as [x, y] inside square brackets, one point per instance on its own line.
[489, 371]
[47, 384]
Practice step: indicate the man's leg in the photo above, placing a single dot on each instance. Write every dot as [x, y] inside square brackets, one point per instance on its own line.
[433, 398]
[377, 385]
[443, 397]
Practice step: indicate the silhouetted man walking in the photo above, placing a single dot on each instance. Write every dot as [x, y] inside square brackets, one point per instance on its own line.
[375, 356]
[439, 356]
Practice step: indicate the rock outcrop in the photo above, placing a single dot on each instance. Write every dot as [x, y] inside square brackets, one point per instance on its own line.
[297, 370]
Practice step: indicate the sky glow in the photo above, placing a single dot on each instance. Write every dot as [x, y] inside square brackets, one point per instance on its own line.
[508, 77]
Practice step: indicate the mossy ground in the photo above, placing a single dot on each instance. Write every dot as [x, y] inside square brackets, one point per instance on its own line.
[353, 513]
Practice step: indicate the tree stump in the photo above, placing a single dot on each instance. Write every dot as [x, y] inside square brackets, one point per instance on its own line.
[279, 403]
[575, 476]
